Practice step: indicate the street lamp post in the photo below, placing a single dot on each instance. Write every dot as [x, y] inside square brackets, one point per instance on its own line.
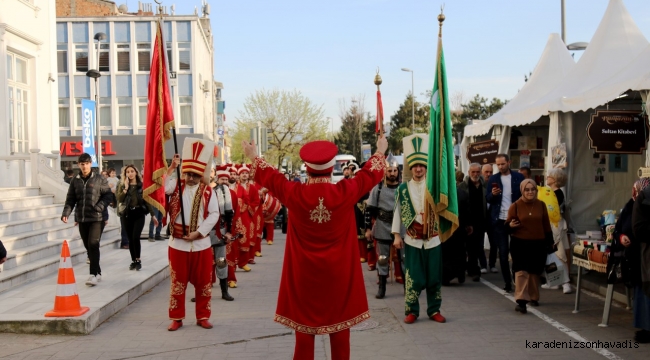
[412, 100]
[356, 112]
[95, 74]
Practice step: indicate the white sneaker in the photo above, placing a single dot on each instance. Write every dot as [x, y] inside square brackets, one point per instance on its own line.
[99, 277]
[483, 271]
[92, 280]
[546, 286]
[494, 270]
[567, 288]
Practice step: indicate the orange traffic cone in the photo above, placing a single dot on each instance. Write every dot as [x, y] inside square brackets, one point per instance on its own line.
[66, 301]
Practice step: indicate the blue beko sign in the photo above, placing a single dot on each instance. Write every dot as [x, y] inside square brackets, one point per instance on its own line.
[88, 129]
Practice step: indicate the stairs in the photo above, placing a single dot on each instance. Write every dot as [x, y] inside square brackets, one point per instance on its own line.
[33, 234]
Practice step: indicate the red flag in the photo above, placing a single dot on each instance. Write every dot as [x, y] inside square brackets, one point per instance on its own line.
[160, 118]
[379, 126]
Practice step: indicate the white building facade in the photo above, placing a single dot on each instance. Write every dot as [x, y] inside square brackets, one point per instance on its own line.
[28, 89]
[124, 63]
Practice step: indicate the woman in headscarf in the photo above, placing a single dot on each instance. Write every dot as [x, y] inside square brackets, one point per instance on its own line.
[556, 179]
[632, 233]
[531, 240]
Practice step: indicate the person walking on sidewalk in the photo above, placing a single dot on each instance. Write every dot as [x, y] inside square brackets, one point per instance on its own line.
[474, 186]
[381, 203]
[531, 241]
[503, 190]
[321, 287]
[556, 179]
[129, 198]
[88, 194]
[423, 257]
[190, 252]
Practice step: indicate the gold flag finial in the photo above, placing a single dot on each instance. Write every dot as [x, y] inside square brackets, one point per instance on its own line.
[378, 78]
[441, 18]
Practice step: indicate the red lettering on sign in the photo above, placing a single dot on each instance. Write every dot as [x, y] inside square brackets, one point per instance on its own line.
[75, 148]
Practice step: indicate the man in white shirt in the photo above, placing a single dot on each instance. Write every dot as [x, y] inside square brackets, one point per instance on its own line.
[502, 191]
[190, 251]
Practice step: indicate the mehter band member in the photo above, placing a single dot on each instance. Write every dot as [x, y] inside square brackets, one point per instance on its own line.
[190, 251]
[321, 289]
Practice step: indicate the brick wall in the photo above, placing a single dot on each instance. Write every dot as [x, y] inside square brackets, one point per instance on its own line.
[85, 8]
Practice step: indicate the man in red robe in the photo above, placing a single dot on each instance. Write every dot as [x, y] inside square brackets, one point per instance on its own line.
[249, 201]
[321, 288]
[190, 252]
[270, 208]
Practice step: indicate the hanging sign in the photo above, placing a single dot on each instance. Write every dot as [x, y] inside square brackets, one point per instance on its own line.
[618, 132]
[88, 129]
[483, 152]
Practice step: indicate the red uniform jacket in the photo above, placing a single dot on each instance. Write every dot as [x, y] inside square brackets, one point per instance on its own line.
[321, 289]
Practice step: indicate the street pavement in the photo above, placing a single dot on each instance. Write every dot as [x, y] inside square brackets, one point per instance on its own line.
[481, 324]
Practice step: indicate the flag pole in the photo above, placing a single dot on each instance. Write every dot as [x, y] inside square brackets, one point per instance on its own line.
[178, 182]
[173, 129]
[380, 114]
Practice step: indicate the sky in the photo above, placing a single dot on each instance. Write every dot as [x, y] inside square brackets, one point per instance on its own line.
[330, 50]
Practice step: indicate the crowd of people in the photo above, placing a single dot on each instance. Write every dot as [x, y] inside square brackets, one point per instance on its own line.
[380, 220]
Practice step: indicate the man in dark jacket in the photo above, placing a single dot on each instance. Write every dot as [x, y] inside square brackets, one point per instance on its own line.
[89, 194]
[474, 186]
[503, 191]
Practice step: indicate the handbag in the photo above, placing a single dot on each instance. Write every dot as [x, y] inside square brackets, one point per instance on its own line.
[554, 270]
[123, 207]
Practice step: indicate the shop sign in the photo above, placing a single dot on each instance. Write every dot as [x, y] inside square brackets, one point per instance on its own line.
[76, 148]
[483, 152]
[618, 132]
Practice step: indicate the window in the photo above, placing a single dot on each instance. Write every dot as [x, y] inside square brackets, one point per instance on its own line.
[125, 116]
[123, 61]
[62, 58]
[64, 113]
[144, 57]
[18, 93]
[184, 56]
[186, 110]
[104, 61]
[80, 32]
[170, 63]
[62, 48]
[183, 31]
[81, 58]
[142, 112]
[143, 32]
[105, 112]
[186, 115]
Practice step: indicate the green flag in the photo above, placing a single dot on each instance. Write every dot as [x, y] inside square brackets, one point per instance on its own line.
[441, 173]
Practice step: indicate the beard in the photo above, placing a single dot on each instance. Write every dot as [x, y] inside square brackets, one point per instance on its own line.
[231, 180]
[391, 178]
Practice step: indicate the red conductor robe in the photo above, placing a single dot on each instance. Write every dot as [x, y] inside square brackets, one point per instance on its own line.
[321, 288]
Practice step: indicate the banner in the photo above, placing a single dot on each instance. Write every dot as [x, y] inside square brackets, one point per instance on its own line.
[483, 152]
[618, 132]
[88, 129]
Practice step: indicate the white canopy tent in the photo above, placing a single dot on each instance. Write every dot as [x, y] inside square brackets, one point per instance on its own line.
[615, 61]
[554, 64]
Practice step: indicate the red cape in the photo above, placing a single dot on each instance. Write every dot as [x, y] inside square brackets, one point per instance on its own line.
[321, 289]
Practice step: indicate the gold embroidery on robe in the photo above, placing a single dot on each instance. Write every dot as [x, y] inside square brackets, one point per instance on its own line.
[320, 214]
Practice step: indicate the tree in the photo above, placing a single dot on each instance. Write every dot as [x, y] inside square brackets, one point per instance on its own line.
[395, 144]
[349, 138]
[403, 118]
[479, 109]
[291, 119]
